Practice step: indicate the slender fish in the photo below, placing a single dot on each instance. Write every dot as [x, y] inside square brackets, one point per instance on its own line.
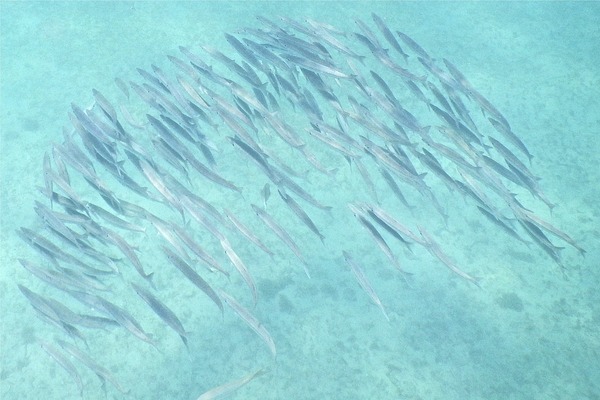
[64, 362]
[164, 312]
[251, 320]
[230, 387]
[193, 276]
[360, 215]
[364, 282]
[281, 234]
[297, 209]
[434, 248]
[240, 266]
[86, 360]
[247, 232]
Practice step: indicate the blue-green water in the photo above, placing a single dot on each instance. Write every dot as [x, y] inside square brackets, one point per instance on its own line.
[529, 333]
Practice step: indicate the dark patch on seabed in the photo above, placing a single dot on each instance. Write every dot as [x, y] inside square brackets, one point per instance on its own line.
[510, 301]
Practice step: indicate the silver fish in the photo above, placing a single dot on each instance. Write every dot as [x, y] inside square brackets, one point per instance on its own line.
[251, 320]
[434, 248]
[297, 209]
[362, 218]
[128, 251]
[229, 387]
[199, 251]
[125, 319]
[244, 230]
[64, 362]
[102, 372]
[389, 36]
[281, 234]
[193, 276]
[364, 282]
[164, 312]
[240, 266]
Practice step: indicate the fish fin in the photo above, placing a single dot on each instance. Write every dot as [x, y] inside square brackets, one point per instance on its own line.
[149, 277]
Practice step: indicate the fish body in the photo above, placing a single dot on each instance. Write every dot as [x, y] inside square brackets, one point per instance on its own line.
[251, 320]
[193, 276]
[364, 282]
[164, 312]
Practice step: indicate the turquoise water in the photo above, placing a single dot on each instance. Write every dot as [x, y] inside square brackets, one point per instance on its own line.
[528, 333]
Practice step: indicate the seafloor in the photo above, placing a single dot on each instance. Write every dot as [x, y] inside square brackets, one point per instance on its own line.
[529, 332]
